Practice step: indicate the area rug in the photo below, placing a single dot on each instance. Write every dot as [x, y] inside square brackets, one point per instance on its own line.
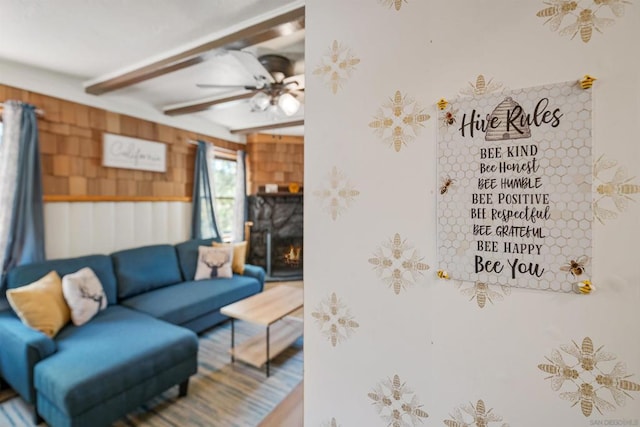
[220, 394]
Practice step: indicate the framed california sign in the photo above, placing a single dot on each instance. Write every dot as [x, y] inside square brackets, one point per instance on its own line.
[132, 153]
[515, 201]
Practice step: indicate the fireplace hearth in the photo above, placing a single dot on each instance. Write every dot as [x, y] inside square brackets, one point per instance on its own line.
[276, 241]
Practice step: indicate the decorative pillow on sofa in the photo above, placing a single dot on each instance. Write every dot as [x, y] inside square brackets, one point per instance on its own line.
[239, 255]
[84, 294]
[214, 262]
[40, 305]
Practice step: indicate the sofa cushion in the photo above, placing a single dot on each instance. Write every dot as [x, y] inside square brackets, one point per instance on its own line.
[41, 305]
[100, 264]
[186, 301]
[214, 262]
[239, 255]
[117, 350]
[84, 295]
[188, 255]
[146, 268]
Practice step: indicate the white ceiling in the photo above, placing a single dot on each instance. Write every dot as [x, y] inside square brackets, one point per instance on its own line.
[89, 40]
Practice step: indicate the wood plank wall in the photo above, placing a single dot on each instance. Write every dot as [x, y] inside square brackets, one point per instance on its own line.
[275, 159]
[71, 147]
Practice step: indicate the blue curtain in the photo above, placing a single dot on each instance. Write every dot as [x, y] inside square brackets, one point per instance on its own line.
[203, 221]
[25, 243]
[241, 211]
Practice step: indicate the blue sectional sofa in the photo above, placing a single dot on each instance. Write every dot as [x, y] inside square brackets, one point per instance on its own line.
[142, 344]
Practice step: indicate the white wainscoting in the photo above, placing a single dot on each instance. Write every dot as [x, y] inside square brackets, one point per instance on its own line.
[83, 228]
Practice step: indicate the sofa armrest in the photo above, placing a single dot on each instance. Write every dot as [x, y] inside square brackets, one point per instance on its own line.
[20, 349]
[256, 272]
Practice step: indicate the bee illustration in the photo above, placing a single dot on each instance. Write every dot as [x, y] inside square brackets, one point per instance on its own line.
[413, 409]
[397, 103]
[619, 188]
[616, 6]
[380, 123]
[398, 138]
[396, 281]
[588, 399]
[348, 63]
[576, 267]
[415, 265]
[380, 261]
[617, 384]
[446, 184]
[334, 335]
[348, 323]
[558, 369]
[449, 117]
[481, 87]
[482, 293]
[321, 317]
[397, 4]
[397, 246]
[556, 12]
[481, 417]
[601, 213]
[585, 24]
[585, 354]
[457, 421]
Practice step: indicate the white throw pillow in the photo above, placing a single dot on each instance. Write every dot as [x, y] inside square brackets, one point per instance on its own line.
[84, 295]
[214, 262]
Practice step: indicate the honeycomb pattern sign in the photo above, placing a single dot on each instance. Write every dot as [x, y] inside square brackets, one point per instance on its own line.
[515, 201]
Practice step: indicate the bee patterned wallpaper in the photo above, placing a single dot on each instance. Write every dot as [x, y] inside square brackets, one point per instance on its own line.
[388, 340]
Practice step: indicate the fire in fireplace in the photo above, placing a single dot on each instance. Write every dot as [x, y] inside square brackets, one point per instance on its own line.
[284, 257]
[292, 256]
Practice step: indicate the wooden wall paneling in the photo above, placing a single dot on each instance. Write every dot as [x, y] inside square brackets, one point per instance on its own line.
[105, 231]
[160, 221]
[81, 229]
[178, 222]
[124, 224]
[56, 230]
[143, 223]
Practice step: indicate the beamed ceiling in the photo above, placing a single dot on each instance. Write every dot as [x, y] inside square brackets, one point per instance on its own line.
[153, 54]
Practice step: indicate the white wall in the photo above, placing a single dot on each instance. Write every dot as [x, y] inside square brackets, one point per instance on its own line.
[84, 228]
[443, 347]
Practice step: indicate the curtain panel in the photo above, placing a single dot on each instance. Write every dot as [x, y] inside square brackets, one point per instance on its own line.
[22, 212]
[203, 222]
[240, 213]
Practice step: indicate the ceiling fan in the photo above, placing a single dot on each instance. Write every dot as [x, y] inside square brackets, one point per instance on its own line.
[276, 89]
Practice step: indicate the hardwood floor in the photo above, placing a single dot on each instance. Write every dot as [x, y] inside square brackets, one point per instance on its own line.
[289, 413]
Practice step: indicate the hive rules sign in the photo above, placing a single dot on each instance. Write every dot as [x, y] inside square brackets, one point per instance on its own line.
[514, 203]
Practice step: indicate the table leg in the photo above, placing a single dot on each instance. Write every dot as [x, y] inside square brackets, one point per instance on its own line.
[233, 340]
[268, 356]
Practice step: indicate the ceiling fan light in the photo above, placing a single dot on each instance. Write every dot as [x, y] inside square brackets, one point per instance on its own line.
[260, 101]
[288, 104]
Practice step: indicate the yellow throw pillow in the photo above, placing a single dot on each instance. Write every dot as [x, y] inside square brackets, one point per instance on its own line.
[239, 255]
[41, 305]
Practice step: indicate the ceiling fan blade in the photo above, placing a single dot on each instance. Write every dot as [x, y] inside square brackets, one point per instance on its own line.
[252, 65]
[214, 86]
[296, 82]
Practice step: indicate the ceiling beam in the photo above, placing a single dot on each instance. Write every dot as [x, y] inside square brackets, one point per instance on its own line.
[177, 110]
[278, 26]
[270, 126]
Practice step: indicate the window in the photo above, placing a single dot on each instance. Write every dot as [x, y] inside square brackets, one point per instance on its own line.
[224, 177]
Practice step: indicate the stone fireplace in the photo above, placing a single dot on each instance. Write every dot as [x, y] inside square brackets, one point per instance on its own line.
[276, 241]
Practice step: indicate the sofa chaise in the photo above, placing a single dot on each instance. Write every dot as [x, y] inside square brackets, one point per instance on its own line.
[142, 344]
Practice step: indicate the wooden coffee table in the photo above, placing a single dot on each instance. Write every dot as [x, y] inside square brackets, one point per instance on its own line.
[270, 309]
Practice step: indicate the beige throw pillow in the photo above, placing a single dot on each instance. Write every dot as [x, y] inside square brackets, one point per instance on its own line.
[214, 262]
[239, 255]
[84, 294]
[41, 305]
